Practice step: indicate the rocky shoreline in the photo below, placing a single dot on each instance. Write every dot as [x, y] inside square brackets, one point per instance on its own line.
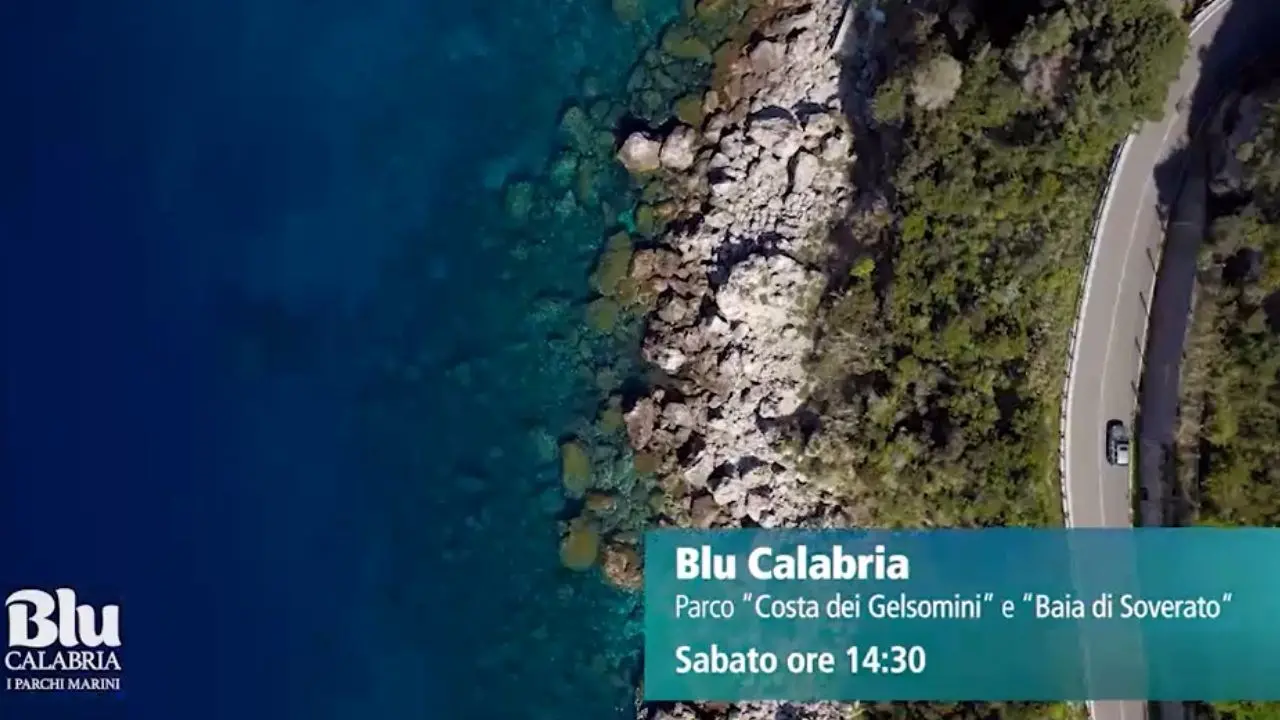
[737, 279]
[733, 287]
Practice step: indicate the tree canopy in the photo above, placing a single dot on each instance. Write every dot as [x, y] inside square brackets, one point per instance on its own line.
[939, 373]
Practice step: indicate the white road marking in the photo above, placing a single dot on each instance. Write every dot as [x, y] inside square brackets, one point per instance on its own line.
[1111, 333]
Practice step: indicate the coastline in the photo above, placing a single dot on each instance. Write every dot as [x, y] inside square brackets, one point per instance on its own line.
[738, 278]
[754, 182]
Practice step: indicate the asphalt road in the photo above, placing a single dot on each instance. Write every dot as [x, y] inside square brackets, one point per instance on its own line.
[1111, 328]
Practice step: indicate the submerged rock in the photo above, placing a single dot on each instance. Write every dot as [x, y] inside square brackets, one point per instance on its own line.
[711, 11]
[690, 110]
[575, 468]
[628, 11]
[645, 220]
[580, 548]
[679, 41]
[602, 314]
[563, 170]
[519, 201]
[601, 503]
[611, 272]
[578, 130]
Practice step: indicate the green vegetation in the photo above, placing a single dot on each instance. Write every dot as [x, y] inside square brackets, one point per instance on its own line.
[939, 375]
[939, 368]
[1229, 453]
[1235, 383]
[1247, 710]
[974, 711]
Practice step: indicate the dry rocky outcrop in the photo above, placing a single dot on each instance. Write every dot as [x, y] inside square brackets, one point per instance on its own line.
[758, 711]
[736, 283]
[640, 154]
[753, 175]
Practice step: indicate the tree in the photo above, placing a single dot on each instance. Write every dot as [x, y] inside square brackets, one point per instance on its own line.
[937, 380]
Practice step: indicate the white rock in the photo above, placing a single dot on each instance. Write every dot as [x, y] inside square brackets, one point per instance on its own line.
[766, 56]
[820, 125]
[837, 148]
[806, 169]
[640, 154]
[680, 149]
[671, 360]
[777, 135]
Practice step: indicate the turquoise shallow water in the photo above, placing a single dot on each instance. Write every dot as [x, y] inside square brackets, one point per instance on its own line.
[257, 260]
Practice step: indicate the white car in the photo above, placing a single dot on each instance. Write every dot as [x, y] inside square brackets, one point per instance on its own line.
[1117, 443]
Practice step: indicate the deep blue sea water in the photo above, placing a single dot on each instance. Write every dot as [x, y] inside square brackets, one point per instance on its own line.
[267, 377]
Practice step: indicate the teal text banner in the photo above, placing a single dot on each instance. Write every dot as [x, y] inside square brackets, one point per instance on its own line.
[942, 615]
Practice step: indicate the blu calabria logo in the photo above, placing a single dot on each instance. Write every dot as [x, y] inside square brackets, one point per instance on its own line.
[87, 643]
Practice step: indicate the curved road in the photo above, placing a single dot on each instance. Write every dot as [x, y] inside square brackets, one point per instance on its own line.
[1112, 324]
[1111, 327]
